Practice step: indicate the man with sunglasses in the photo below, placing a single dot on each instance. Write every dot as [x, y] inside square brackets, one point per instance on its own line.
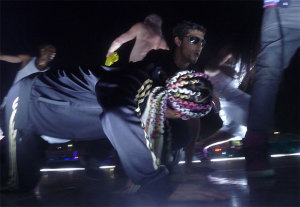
[188, 44]
[116, 95]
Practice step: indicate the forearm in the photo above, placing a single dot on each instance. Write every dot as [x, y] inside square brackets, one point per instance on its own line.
[117, 43]
[10, 58]
[114, 46]
[125, 37]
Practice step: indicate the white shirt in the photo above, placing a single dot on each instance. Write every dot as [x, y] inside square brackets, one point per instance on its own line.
[29, 69]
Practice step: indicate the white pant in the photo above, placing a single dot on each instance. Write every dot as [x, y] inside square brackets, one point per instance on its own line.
[234, 104]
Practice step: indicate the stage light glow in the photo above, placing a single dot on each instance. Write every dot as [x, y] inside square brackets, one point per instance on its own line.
[242, 158]
[107, 167]
[227, 159]
[285, 155]
[181, 162]
[220, 180]
[1, 134]
[222, 142]
[60, 169]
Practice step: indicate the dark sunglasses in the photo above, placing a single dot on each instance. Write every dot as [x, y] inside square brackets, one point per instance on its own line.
[195, 40]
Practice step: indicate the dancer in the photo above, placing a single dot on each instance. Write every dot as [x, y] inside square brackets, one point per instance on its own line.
[148, 36]
[227, 71]
[120, 105]
[29, 64]
[280, 39]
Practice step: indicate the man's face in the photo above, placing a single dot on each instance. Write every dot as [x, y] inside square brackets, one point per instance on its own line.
[48, 52]
[191, 46]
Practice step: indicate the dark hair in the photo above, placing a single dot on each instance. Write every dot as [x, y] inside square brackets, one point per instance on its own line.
[182, 28]
[222, 53]
[239, 54]
[42, 46]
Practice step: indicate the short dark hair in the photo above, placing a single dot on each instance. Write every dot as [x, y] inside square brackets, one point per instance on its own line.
[182, 28]
[43, 46]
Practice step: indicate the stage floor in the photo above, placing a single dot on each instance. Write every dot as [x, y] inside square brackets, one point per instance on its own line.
[74, 188]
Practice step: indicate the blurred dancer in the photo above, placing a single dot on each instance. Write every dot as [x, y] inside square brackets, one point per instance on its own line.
[280, 38]
[226, 72]
[148, 36]
[31, 64]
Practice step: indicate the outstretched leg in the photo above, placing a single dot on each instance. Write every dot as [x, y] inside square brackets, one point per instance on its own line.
[23, 151]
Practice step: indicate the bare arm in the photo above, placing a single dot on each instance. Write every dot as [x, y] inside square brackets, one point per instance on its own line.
[15, 58]
[163, 45]
[125, 37]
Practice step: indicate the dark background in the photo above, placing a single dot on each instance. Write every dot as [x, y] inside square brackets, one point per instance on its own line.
[83, 30]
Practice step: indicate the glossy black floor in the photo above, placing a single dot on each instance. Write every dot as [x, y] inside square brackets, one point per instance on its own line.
[74, 188]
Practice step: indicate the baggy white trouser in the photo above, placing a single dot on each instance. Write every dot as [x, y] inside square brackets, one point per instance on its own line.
[22, 152]
[234, 104]
[54, 103]
[123, 129]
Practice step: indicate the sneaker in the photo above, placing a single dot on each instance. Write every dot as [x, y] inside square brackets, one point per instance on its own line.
[256, 150]
[202, 154]
[201, 146]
